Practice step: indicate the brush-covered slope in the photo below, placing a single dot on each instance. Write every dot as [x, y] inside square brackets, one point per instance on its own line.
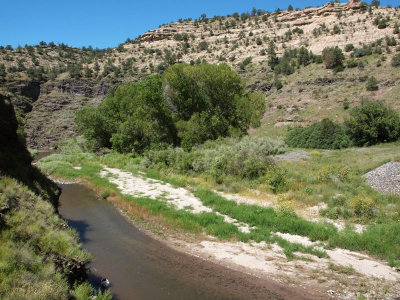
[48, 82]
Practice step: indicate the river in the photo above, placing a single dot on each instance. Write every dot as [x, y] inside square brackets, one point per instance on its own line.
[140, 267]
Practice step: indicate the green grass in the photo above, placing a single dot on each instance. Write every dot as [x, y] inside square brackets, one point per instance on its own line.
[381, 238]
[31, 238]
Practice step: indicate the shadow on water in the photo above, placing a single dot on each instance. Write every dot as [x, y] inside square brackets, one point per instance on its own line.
[140, 267]
[81, 227]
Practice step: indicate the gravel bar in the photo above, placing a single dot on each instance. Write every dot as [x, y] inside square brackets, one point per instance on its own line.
[385, 178]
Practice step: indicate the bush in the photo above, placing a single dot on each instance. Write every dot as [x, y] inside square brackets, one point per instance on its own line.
[372, 84]
[276, 178]
[396, 60]
[333, 57]
[373, 123]
[351, 63]
[363, 207]
[321, 135]
[349, 47]
[247, 157]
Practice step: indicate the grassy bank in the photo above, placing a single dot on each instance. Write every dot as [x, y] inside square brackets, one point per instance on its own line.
[37, 252]
[332, 178]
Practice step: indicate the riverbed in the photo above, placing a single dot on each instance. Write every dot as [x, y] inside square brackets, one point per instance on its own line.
[141, 267]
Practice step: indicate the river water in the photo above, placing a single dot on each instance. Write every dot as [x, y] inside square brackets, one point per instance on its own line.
[140, 267]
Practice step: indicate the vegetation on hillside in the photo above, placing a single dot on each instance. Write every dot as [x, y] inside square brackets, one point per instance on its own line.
[370, 123]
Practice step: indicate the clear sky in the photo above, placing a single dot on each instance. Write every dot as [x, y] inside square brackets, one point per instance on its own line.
[107, 23]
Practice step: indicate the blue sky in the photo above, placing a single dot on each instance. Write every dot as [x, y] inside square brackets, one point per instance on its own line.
[107, 23]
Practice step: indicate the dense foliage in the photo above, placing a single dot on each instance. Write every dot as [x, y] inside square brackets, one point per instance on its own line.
[333, 58]
[247, 157]
[373, 123]
[186, 106]
[369, 124]
[321, 135]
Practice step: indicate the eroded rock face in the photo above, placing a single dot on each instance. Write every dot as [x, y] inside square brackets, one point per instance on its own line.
[326, 10]
[15, 159]
[157, 35]
[49, 115]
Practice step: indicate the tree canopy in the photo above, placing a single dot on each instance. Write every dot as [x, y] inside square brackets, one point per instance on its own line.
[186, 106]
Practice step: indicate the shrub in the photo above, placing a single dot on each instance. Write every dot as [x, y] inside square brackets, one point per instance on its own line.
[247, 157]
[360, 52]
[336, 29]
[321, 135]
[349, 47]
[363, 207]
[372, 84]
[105, 194]
[278, 84]
[396, 60]
[203, 45]
[276, 178]
[333, 173]
[333, 57]
[346, 104]
[351, 63]
[372, 123]
[285, 207]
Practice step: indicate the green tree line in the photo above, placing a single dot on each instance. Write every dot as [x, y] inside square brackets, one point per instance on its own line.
[185, 106]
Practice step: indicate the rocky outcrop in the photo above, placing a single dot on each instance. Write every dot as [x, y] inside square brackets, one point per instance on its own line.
[157, 35]
[326, 10]
[29, 89]
[78, 87]
[15, 160]
[52, 119]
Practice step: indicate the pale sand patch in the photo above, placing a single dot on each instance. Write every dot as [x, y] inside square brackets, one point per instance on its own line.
[270, 259]
[139, 187]
[361, 263]
[243, 227]
[305, 241]
[180, 198]
[255, 256]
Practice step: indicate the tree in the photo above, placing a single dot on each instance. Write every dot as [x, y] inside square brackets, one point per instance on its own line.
[130, 119]
[3, 72]
[325, 134]
[372, 84]
[375, 3]
[333, 58]
[336, 29]
[290, 7]
[88, 72]
[186, 105]
[396, 60]
[272, 57]
[373, 122]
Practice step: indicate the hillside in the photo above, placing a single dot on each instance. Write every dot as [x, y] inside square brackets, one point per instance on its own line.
[48, 82]
[40, 255]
